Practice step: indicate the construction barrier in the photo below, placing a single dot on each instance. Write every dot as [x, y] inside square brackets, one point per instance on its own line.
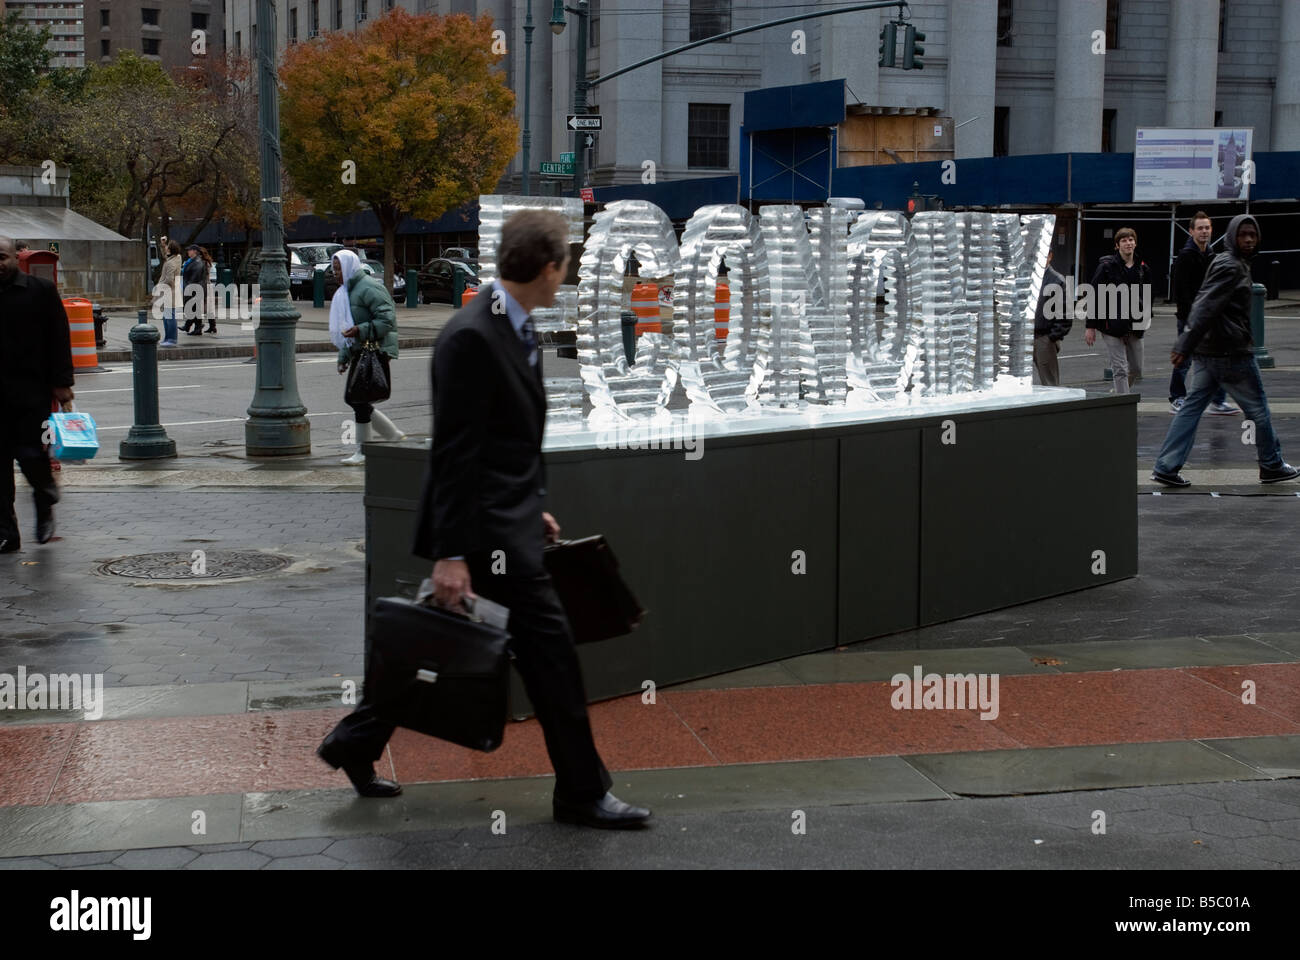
[721, 311]
[645, 305]
[469, 294]
[81, 327]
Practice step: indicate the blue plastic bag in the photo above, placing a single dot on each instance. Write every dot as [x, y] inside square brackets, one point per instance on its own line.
[73, 436]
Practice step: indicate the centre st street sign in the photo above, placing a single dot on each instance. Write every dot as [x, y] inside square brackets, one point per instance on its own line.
[557, 169]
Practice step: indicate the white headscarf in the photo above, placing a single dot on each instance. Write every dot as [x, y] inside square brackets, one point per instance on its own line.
[340, 307]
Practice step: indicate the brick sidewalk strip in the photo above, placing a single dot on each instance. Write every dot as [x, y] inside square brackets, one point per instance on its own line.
[86, 762]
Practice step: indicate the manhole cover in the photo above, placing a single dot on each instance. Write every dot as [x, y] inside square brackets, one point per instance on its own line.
[214, 565]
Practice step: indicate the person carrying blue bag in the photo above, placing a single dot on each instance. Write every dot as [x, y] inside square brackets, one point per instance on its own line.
[35, 368]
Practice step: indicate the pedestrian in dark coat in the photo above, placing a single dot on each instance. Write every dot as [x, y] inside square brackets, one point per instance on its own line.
[194, 277]
[35, 370]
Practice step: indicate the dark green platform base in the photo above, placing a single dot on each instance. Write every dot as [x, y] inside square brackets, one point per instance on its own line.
[891, 527]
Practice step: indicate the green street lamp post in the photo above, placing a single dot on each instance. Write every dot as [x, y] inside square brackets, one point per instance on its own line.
[558, 23]
[528, 91]
[277, 422]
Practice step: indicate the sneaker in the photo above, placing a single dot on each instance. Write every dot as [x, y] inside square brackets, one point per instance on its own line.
[1171, 479]
[1176, 405]
[167, 343]
[1278, 474]
[1224, 409]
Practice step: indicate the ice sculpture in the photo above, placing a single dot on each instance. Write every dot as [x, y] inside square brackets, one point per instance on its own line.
[828, 307]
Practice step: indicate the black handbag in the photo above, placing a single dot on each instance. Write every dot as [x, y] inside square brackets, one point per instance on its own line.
[438, 673]
[597, 601]
[368, 376]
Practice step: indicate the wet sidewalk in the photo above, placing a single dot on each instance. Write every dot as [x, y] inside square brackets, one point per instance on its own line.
[1166, 750]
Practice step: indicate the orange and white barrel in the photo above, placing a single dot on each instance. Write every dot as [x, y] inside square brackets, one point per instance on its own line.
[721, 311]
[645, 304]
[469, 294]
[81, 327]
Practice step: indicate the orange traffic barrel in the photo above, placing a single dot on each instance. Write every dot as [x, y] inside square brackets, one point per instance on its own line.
[469, 294]
[645, 304]
[721, 311]
[81, 327]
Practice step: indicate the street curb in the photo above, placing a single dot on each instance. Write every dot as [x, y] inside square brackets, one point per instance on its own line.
[220, 353]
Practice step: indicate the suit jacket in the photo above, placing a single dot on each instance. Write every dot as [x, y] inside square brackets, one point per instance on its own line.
[485, 483]
[35, 351]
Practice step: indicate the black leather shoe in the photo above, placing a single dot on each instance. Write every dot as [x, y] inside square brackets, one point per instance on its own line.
[362, 775]
[10, 546]
[45, 528]
[607, 813]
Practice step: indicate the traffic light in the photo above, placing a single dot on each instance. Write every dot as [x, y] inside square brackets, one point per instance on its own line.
[888, 44]
[912, 49]
[911, 205]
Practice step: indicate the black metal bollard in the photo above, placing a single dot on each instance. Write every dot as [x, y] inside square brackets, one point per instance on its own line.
[147, 440]
[412, 288]
[1274, 279]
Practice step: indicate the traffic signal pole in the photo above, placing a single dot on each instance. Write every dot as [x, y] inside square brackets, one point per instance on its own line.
[854, 8]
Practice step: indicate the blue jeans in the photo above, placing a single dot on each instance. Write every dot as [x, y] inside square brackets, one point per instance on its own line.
[1239, 375]
[1178, 380]
[169, 325]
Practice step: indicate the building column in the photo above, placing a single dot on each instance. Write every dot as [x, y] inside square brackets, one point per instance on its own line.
[972, 75]
[1193, 63]
[849, 45]
[1286, 95]
[1080, 77]
[635, 132]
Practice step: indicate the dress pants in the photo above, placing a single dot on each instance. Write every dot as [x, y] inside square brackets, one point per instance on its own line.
[1045, 362]
[21, 442]
[542, 644]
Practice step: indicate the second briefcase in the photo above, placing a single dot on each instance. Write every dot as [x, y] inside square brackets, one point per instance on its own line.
[439, 673]
[598, 603]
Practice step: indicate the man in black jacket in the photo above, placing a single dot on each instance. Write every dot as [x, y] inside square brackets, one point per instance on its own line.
[481, 518]
[1189, 272]
[1121, 289]
[1050, 331]
[1219, 340]
[36, 365]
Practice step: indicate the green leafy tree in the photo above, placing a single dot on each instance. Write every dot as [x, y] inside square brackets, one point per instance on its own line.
[407, 117]
[23, 60]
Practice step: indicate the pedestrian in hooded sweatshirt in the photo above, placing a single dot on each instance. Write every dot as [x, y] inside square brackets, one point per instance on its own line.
[1189, 272]
[171, 279]
[361, 312]
[1219, 341]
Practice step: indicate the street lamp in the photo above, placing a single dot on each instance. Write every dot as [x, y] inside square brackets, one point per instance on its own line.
[277, 423]
[528, 90]
[558, 23]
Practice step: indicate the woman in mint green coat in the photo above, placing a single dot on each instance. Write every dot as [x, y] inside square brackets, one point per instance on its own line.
[361, 312]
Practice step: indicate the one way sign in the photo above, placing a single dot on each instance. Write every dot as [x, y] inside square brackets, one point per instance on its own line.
[579, 121]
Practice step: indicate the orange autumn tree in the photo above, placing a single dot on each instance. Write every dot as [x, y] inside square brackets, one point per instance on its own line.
[408, 117]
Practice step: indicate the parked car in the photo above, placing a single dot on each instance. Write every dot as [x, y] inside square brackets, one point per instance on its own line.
[305, 259]
[376, 269]
[435, 279]
[467, 254]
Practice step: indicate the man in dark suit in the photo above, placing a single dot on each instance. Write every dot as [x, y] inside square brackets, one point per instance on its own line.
[35, 370]
[482, 522]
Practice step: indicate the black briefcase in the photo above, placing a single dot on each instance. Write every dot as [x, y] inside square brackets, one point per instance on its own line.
[439, 673]
[598, 603]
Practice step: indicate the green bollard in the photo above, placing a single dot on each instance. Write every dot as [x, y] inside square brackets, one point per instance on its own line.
[226, 277]
[457, 288]
[318, 289]
[1258, 292]
[147, 440]
[412, 288]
